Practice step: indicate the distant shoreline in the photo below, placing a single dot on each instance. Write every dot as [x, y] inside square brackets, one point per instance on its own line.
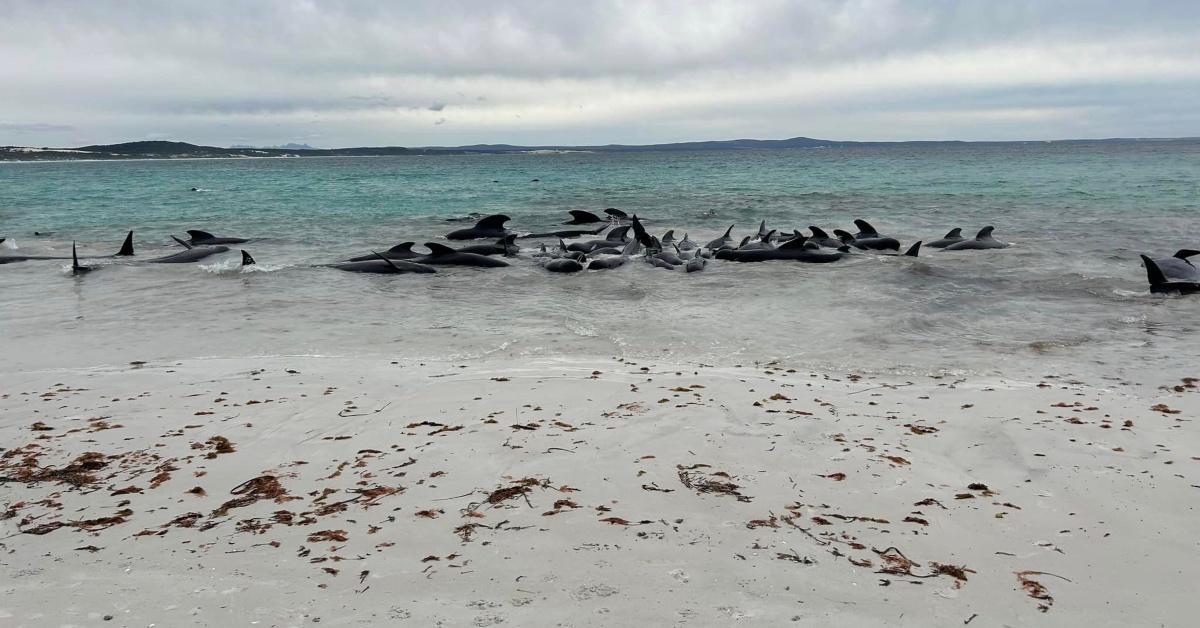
[162, 150]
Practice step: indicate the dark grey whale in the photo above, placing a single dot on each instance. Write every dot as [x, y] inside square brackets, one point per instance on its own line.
[442, 255]
[1178, 267]
[188, 255]
[488, 227]
[382, 266]
[1159, 284]
[820, 238]
[202, 238]
[615, 238]
[616, 213]
[76, 267]
[400, 251]
[580, 217]
[125, 251]
[721, 241]
[951, 237]
[983, 240]
[795, 250]
[877, 243]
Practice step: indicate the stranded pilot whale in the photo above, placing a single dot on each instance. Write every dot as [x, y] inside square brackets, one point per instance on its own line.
[951, 237]
[488, 227]
[983, 240]
[400, 251]
[188, 255]
[1159, 284]
[796, 249]
[442, 255]
[1178, 266]
[382, 266]
[504, 246]
[204, 238]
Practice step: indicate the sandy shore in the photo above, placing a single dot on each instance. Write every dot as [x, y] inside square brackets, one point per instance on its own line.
[296, 491]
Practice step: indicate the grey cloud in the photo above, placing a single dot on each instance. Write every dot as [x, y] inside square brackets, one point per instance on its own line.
[659, 70]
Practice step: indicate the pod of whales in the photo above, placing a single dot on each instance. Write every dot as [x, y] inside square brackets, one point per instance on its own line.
[1166, 275]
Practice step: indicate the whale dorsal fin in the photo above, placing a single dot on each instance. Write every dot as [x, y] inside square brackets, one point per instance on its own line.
[794, 243]
[583, 216]
[185, 244]
[616, 213]
[493, 222]
[669, 235]
[843, 249]
[1153, 273]
[844, 236]
[770, 234]
[618, 233]
[762, 227]
[914, 250]
[74, 257]
[126, 246]
[865, 227]
[403, 247]
[249, 261]
[818, 232]
[744, 242]
[1183, 254]
[984, 233]
[196, 234]
[728, 231]
[954, 233]
[438, 249]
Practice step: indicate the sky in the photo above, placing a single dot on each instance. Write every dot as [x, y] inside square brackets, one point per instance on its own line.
[580, 72]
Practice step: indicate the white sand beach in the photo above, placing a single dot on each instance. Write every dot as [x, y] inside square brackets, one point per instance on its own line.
[337, 491]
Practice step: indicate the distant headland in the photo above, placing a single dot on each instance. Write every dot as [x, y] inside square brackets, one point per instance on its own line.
[184, 150]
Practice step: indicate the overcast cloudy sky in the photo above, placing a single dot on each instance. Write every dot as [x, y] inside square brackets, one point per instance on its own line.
[582, 72]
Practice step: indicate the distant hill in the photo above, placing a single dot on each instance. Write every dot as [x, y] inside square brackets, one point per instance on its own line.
[184, 150]
[288, 146]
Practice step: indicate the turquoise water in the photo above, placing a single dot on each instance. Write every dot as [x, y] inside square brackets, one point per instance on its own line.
[1069, 296]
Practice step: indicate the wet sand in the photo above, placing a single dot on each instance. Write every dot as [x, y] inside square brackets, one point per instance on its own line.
[297, 491]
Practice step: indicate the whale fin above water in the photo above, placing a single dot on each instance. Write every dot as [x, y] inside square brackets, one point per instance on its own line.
[76, 269]
[1183, 254]
[185, 244]
[249, 261]
[388, 261]
[617, 234]
[794, 243]
[403, 247]
[126, 246]
[493, 222]
[914, 250]
[865, 227]
[196, 234]
[640, 234]
[844, 236]
[615, 213]
[581, 217]
[953, 233]
[437, 249]
[729, 230]
[984, 233]
[818, 232]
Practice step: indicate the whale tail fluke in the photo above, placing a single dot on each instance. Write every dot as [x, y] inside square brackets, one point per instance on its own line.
[126, 246]
[246, 259]
[1183, 254]
[914, 250]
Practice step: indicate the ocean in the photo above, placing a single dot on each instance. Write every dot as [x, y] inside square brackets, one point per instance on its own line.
[1069, 298]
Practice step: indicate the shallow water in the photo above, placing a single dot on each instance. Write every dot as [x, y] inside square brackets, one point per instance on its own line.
[1068, 297]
